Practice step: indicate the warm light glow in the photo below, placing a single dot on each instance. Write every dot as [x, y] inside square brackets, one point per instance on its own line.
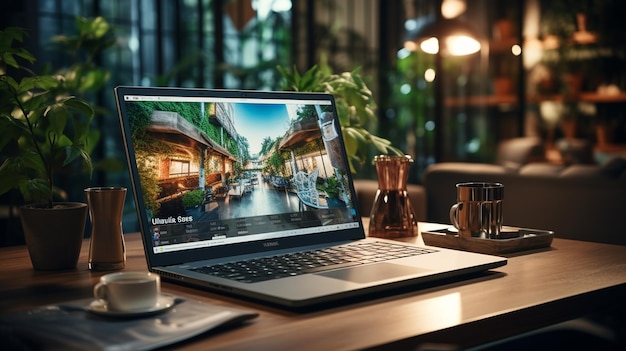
[429, 75]
[410, 45]
[533, 52]
[516, 50]
[551, 42]
[430, 45]
[452, 8]
[456, 45]
[551, 112]
[459, 45]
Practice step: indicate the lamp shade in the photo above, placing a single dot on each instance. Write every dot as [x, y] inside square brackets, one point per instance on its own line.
[452, 36]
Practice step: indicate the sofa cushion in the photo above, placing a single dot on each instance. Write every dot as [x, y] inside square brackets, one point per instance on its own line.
[541, 169]
[516, 152]
[584, 172]
[467, 168]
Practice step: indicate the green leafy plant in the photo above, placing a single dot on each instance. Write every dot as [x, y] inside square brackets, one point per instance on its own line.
[44, 129]
[355, 106]
[331, 186]
[84, 76]
[193, 198]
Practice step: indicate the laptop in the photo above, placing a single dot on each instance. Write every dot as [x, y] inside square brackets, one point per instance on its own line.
[228, 183]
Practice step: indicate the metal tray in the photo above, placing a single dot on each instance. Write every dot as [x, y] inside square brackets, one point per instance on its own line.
[514, 239]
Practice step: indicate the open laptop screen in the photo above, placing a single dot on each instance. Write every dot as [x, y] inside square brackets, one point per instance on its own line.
[215, 168]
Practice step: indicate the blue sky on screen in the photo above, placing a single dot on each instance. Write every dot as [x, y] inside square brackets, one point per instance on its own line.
[258, 121]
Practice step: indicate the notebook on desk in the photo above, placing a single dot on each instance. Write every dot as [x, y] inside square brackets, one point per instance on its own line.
[228, 190]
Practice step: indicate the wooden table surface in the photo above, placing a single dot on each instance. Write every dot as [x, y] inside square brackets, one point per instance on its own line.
[535, 289]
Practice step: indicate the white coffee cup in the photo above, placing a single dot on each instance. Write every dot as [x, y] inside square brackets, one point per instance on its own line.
[128, 291]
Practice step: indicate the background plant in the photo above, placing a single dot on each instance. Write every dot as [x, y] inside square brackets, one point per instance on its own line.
[84, 76]
[43, 129]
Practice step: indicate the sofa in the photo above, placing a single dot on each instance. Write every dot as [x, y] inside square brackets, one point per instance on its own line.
[580, 201]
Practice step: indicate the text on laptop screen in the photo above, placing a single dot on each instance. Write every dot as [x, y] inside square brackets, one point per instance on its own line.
[217, 171]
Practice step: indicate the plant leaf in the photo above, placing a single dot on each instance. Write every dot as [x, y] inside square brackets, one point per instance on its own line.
[79, 105]
[57, 117]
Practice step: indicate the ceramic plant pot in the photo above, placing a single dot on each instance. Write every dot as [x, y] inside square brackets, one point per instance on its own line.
[54, 236]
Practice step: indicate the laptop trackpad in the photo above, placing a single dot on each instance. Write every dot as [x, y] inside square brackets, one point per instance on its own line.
[372, 272]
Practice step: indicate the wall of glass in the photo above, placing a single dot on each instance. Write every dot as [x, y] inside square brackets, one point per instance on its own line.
[187, 43]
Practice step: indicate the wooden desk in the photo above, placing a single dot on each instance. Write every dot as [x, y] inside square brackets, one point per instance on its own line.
[535, 289]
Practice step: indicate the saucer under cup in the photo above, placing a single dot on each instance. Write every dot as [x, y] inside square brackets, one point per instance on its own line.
[164, 302]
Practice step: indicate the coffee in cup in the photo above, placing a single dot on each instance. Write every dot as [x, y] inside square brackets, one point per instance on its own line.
[128, 291]
[478, 211]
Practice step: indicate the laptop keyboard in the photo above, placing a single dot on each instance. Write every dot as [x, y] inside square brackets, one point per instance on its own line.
[281, 266]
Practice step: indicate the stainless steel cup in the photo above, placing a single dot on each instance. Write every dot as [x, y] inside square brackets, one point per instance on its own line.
[106, 246]
[478, 211]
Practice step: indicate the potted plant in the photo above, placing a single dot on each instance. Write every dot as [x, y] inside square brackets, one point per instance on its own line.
[44, 131]
[334, 190]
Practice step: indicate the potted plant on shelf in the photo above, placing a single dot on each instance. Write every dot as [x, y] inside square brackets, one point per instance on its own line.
[44, 131]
